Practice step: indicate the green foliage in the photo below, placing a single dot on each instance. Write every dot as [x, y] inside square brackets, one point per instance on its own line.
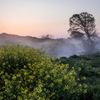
[83, 66]
[95, 62]
[85, 57]
[69, 61]
[29, 74]
[74, 56]
[93, 93]
[89, 70]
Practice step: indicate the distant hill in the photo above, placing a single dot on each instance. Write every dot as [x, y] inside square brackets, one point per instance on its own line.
[15, 39]
[60, 47]
[27, 40]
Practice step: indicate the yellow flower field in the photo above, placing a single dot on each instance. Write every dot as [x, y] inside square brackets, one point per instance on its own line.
[30, 74]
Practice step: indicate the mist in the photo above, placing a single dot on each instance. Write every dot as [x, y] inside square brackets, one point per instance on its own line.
[60, 47]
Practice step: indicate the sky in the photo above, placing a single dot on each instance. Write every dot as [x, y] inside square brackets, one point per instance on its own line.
[40, 17]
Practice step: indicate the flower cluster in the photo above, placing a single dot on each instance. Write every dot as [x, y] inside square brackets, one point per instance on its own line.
[30, 74]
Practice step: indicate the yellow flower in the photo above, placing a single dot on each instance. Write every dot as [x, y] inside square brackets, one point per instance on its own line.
[75, 73]
[46, 72]
[66, 87]
[16, 65]
[62, 67]
[65, 77]
[19, 98]
[44, 89]
[1, 72]
[39, 98]
[80, 85]
[48, 76]
[72, 67]
[40, 90]
[85, 86]
[6, 82]
[18, 75]
[70, 74]
[26, 90]
[52, 93]
[85, 91]
[14, 77]
[79, 69]
[51, 85]
[25, 73]
[24, 66]
[38, 48]
[80, 90]
[59, 80]
[67, 65]
[84, 77]
[54, 56]
[78, 79]
[3, 64]
[34, 72]
[14, 96]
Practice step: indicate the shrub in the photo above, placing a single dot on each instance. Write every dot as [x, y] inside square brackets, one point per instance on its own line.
[74, 56]
[82, 67]
[27, 74]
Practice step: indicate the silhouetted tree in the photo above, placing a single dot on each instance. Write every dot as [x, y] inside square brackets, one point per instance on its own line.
[77, 35]
[48, 36]
[83, 23]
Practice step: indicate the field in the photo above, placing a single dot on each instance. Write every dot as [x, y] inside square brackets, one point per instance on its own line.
[31, 74]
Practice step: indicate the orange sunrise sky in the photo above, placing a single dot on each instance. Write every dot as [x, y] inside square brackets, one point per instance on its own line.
[39, 17]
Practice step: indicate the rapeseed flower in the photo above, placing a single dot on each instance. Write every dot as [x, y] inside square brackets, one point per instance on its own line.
[33, 75]
[84, 77]
[80, 85]
[79, 69]
[78, 79]
[85, 91]
[85, 86]
[51, 85]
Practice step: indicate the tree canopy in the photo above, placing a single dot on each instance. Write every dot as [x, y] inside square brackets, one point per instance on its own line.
[77, 35]
[83, 23]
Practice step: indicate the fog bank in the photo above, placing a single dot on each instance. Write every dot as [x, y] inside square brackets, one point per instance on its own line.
[60, 47]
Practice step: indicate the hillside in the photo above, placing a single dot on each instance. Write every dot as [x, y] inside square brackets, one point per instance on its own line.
[56, 46]
[60, 47]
